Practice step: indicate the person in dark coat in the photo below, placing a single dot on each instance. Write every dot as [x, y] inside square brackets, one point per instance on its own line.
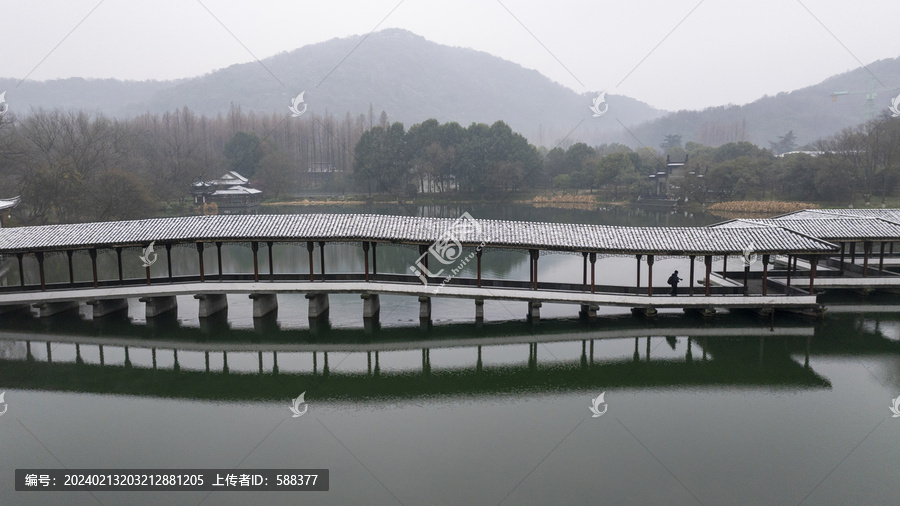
[673, 280]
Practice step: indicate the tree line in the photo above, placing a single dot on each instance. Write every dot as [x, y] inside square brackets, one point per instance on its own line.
[862, 162]
[439, 158]
[72, 166]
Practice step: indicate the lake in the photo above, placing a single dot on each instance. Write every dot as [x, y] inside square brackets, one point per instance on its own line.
[734, 410]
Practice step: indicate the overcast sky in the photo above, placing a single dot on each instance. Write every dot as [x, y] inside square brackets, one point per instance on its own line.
[672, 54]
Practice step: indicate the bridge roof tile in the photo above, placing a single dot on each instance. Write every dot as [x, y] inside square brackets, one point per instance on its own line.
[892, 215]
[830, 227]
[731, 239]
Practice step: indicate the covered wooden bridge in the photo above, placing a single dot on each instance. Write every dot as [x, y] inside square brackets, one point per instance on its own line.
[865, 237]
[444, 243]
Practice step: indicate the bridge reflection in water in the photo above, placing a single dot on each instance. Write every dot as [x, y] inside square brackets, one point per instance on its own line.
[72, 354]
[561, 358]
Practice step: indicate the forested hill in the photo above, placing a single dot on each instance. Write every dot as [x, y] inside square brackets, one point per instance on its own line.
[108, 96]
[812, 113]
[413, 79]
[394, 70]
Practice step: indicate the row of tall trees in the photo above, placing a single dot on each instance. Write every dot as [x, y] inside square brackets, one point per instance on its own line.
[78, 166]
[434, 157]
[860, 162]
[612, 166]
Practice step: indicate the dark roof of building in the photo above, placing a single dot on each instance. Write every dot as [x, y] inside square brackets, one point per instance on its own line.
[413, 230]
[9, 203]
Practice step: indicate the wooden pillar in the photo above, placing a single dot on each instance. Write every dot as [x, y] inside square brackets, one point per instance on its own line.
[22, 271]
[365, 247]
[707, 260]
[853, 253]
[867, 246]
[842, 258]
[269, 245]
[649, 274]
[93, 254]
[322, 258]
[795, 264]
[724, 265]
[788, 287]
[530, 268]
[119, 261]
[691, 279]
[309, 247]
[593, 258]
[72, 271]
[478, 258]
[200, 256]
[147, 273]
[638, 285]
[535, 255]
[219, 258]
[169, 260]
[880, 257]
[747, 278]
[423, 248]
[584, 262]
[254, 245]
[765, 279]
[374, 258]
[40, 258]
[813, 261]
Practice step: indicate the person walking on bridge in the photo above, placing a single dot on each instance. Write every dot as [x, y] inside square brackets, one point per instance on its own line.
[673, 280]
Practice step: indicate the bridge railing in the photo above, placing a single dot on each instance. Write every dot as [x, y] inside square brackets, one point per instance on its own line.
[433, 284]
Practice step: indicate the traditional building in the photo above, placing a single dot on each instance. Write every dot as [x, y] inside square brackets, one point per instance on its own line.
[664, 182]
[323, 174]
[7, 204]
[668, 178]
[230, 192]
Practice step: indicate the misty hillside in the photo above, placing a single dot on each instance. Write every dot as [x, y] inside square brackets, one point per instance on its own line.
[413, 79]
[811, 112]
[394, 70]
[109, 96]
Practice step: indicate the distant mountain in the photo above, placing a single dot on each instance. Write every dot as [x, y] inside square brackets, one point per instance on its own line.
[413, 79]
[110, 96]
[812, 112]
[394, 70]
